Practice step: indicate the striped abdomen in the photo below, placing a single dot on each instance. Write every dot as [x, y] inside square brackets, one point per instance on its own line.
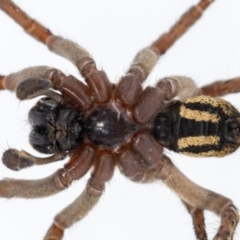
[200, 126]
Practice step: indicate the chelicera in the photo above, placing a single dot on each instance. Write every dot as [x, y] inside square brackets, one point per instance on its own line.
[102, 126]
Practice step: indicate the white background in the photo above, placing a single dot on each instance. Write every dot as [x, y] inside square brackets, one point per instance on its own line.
[113, 31]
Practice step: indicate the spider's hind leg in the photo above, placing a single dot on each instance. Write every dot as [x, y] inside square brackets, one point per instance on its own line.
[200, 198]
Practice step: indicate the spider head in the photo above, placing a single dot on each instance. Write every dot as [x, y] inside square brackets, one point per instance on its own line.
[54, 127]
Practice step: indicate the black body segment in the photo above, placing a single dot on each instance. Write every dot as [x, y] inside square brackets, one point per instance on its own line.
[55, 127]
[200, 126]
[107, 127]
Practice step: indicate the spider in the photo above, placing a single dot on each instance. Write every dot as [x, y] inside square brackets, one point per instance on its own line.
[33, 85]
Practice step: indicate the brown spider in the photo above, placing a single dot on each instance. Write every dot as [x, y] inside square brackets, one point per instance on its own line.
[153, 170]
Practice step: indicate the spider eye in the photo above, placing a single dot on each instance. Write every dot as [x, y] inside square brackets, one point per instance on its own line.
[50, 119]
[232, 130]
[43, 140]
[43, 112]
[51, 147]
[69, 128]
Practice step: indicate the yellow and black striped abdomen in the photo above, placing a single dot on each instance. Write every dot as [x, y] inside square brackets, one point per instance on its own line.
[200, 126]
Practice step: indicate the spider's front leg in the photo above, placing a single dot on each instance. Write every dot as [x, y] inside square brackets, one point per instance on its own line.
[18, 160]
[80, 58]
[79, 164]
[82, 158]
[38, 82]
[30, 83]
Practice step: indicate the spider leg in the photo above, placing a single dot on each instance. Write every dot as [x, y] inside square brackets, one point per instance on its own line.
[166, 89]
[178, 86]
[18, 160]
[36, 81]
[73, 213]
[97, 80]
[103, 171]
[222, 87]
[12, 81]
[198, 221]
[194, 197]
[44, 187]
[161, 45]
[78, 165]
[1, 82]
[200, 198]
[31, 26]
[35, 87]
[147, 58]
[165, 41]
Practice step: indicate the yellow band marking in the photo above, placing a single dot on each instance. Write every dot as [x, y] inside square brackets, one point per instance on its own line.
[198, 115]
[197, 141]
[227, 108]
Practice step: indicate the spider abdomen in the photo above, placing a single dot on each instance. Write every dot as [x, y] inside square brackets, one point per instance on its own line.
[200, 126]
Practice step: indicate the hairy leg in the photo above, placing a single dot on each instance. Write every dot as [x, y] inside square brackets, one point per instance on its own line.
[198, 221]
[165, 41]
[200, 198]
[96, 80]
[1, 82]
[222, 87]
[74, 212]
[178, 86]
[44, 187]
[40, 80]
[78, 165]
[31, 26]
[78, 209]
[12, 81]
[147, 58]
[18, 160]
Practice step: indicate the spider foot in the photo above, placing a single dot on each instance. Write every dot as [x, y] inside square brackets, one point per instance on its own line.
[1, 82]
[199, 226]
[16, 160]
[54, 233]
[230, 218]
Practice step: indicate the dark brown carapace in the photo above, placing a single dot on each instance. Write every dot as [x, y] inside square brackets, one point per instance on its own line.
[101, 126]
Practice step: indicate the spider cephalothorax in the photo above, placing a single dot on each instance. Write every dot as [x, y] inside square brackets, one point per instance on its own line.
[101, 126]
